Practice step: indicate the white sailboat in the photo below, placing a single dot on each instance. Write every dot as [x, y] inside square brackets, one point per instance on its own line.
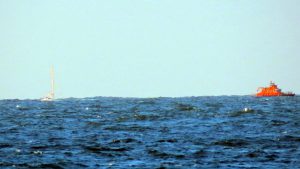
[50, 95]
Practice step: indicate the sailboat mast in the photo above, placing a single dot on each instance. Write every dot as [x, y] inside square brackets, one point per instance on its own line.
[52, 81]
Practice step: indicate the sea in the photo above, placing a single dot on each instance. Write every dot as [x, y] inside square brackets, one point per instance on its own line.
[155, 133]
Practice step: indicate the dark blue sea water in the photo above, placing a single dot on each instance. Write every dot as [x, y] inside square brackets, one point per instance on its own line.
[191, 132]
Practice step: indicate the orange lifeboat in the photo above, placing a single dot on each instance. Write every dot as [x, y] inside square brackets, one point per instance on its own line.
[272, 91]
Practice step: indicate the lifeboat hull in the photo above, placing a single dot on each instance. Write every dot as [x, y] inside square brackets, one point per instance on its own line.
[274, 95]
[288, 94]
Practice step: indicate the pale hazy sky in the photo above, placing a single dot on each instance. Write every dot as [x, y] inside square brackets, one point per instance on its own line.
[148, 48]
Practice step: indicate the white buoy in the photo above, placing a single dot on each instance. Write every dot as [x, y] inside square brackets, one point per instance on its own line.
[111, 163]
[37, 152]
[246, 109]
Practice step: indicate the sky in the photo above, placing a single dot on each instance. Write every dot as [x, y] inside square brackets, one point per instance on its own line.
[148, 48]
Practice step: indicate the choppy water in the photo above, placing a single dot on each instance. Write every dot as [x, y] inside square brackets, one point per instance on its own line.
[192, 132]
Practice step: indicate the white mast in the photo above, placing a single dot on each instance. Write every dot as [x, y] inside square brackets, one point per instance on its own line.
[52, 82]
[50, 95]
